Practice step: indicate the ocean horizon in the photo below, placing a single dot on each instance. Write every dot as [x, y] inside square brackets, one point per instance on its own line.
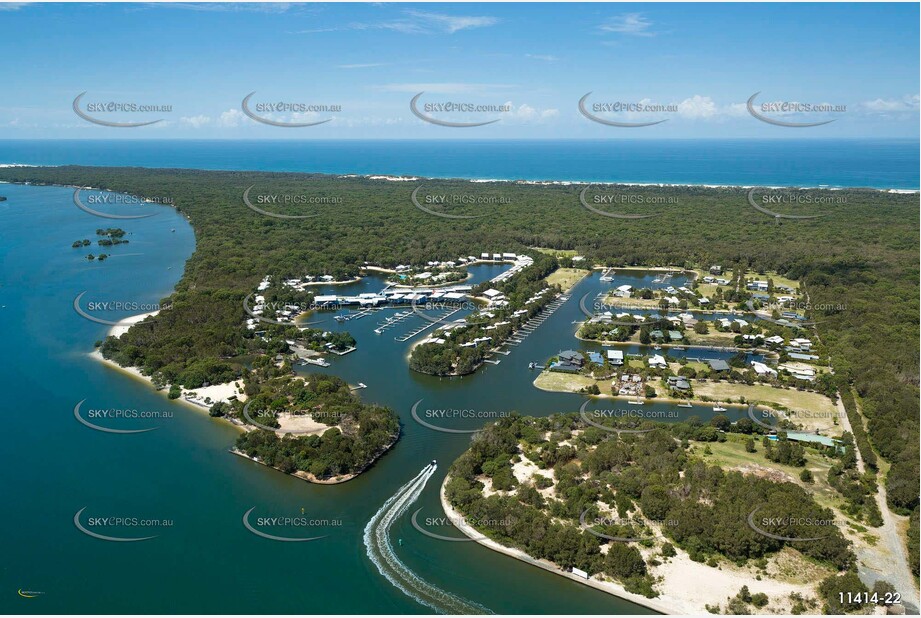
[884, 164]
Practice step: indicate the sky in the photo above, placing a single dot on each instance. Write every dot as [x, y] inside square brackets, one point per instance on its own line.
[693, 66]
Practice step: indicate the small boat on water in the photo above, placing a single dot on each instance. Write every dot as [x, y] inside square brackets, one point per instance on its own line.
[685, 405]
[718, 408]
[636, 402]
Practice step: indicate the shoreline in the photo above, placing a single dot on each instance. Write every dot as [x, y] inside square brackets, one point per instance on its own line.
[460, 522]
[515, 181]
[300, 474]
[678, 576]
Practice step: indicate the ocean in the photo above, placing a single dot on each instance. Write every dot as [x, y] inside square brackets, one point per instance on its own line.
[880, 164]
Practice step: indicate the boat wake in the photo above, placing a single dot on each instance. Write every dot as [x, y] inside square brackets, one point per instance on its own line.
[380, 551]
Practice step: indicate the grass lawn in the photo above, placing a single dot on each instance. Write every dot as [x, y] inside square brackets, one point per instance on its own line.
[731, 454]
[557, 252]
[714, 337]
[821, 411]
[778, 280]
[565, 382]
[566, 277]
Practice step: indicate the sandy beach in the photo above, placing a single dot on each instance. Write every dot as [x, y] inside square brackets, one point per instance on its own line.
[123, 325]
[200, 398]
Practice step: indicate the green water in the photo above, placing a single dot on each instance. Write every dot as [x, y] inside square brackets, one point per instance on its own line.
[206, 561]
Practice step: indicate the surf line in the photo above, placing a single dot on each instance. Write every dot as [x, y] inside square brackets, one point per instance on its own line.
[380, 551]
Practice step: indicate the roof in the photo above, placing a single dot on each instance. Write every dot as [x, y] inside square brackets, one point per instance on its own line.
[718, 365]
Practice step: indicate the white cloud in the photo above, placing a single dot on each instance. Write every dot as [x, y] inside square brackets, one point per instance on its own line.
[698, 107]
[443, 88]
[526, 113]
[545, 57]
[453, 23]
[195, 121]
[13, 6]
[228, 7]
[367, 65]
[908, 103]
[628, 23]
[231, 118]
[416, 22]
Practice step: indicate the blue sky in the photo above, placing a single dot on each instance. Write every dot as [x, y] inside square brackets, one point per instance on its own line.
[701, 62]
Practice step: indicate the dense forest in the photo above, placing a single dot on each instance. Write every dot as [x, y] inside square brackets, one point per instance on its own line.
[858, 264]
[644, 478]
[358, 434]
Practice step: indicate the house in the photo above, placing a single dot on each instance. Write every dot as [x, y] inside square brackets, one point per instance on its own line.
[492, 293]
[804, 344]
[675, 335]
[679, 383]
[596, 358]
[656, 334]
[616, 357]
[572, 357]
[703, 300]
[718, 365]
[716, 270]
[569, 361]
[774, 340]
[624, 291]
[760, 286]
[761, 369]
[657, 361]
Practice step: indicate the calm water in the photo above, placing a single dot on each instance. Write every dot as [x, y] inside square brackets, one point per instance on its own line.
[886, 164]
[206, 561]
